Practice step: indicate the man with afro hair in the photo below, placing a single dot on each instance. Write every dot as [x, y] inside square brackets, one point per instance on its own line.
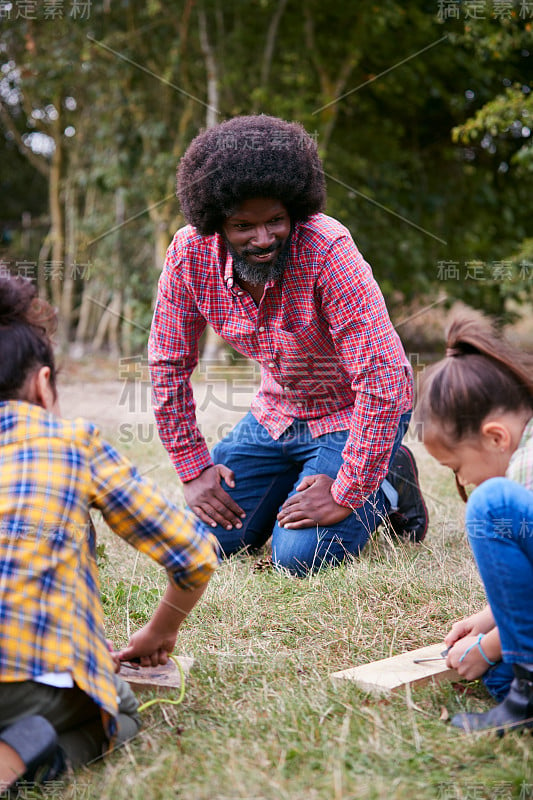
[317, 463]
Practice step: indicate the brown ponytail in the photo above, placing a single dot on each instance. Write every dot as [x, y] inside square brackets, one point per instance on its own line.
[480, 374]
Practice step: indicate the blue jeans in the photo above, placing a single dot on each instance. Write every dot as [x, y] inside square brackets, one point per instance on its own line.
[499, 523]
[267, 472]
[497, 680]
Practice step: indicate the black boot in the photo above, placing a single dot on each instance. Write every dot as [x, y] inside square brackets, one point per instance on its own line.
[516, 711]
[410, 521]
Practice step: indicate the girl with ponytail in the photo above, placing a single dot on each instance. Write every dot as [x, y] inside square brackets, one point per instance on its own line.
[475, 415]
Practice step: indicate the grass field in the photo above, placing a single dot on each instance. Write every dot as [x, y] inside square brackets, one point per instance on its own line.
[261, 719]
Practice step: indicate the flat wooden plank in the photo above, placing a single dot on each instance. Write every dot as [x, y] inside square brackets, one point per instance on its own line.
[162, 677]
[389, 674]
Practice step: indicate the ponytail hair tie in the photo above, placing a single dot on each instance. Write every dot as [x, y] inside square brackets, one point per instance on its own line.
[452, 352]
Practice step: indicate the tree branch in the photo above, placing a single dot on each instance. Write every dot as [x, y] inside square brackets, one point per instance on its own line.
[271, 41]
[36, 161]
[211, 68]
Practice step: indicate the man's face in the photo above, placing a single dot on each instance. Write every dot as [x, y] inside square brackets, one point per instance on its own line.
[257, 233]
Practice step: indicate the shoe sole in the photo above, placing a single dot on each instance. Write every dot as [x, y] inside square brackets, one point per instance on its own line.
[408, 536]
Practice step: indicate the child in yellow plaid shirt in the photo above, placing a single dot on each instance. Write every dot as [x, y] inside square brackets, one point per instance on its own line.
[61, 702]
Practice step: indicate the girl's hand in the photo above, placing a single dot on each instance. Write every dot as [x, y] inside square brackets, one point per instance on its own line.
[481, 622]
[484, 653]
[459, 630]
[473, 664]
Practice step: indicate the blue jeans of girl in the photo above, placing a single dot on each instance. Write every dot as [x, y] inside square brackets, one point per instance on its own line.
[499, 523]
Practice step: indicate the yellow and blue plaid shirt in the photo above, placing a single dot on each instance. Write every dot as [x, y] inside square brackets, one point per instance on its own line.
[52, 471]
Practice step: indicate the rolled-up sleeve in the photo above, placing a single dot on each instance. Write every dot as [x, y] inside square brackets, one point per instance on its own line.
[372, 354]
[135, 509]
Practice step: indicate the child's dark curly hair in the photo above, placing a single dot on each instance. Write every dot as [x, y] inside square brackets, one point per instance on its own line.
[26, 325]
[245, 157]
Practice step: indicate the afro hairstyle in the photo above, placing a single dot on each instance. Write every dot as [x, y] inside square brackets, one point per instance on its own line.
[246, 157]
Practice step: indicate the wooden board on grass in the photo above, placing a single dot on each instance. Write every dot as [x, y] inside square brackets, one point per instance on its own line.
[162, 677]
[390, 674]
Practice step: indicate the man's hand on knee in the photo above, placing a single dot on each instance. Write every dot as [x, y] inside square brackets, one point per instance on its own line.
[210, 502]
[313, 505]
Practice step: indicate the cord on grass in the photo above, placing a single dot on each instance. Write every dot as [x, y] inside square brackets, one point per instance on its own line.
[160, 700]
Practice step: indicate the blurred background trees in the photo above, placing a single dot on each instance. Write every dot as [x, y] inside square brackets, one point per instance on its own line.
[422, 112]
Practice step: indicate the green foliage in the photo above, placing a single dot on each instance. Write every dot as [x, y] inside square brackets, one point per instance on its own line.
[381, 86]
[504, 116]
[22, 188]
[139, 600]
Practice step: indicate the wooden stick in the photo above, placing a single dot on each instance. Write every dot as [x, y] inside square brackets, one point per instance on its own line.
[390, 674]
[162, 677]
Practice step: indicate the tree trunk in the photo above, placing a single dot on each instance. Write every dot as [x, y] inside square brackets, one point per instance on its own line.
[56, 222]
[108, 325]
[84, 318]
[270, 42]
[114, 324]
[67, 298]
[211, 71]
[44, 253]
[213, 348]
[127, 322]
[330, 87]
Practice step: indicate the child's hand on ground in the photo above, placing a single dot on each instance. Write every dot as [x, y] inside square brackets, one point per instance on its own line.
[149, 646]
[153, 644]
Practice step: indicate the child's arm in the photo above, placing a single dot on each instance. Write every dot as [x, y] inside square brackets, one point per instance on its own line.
[473, 664]
[482, 622]
[135, 509]
[154, 643]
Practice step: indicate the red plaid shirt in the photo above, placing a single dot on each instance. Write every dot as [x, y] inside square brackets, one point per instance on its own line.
[328, 352]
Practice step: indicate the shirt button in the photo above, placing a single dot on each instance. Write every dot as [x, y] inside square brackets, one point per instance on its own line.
[299, 405]
[271, 364]
[261, 329]
[239, 294]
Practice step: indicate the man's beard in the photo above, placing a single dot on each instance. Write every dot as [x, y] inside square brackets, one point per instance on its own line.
[257, 274]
